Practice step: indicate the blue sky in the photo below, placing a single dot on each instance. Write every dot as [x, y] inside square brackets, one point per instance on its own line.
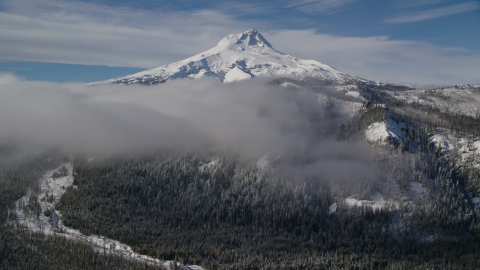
[412, 42]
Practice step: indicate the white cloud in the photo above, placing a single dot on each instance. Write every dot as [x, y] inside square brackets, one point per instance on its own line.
[249, 119]
[85, 33]
[319, 6]
[19, 69]
[380, 58]
[435, 13]
[417, 3]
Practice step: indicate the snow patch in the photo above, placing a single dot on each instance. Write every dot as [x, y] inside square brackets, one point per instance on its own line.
[332, 208]
[236, 74]
[377, 202]
[383, 132]
[203, 166]
[466, 145]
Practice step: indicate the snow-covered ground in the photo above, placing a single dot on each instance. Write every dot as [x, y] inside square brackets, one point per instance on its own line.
[376, 202]
[459, 100]
[238, 57]
[383, 132]
[465, 145]
[203, 165]
[51, 189]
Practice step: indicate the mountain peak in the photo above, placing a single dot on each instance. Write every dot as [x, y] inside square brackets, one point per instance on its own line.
[248, 38]
[238, 57]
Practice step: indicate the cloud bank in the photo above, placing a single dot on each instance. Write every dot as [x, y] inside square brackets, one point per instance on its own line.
[250, 119]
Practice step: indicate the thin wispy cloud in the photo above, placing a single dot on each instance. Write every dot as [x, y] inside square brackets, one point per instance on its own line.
[405, 62]
[17, 69]
[320, 6]
[435, 13]
[88, 33]
[418, 3]
[242, 9]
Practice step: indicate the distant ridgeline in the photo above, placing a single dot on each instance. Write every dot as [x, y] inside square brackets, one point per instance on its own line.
[243, 56]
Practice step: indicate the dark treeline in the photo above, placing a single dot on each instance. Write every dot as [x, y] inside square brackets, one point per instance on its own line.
[23, 249]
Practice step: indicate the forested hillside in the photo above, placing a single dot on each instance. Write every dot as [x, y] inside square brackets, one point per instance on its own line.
[21, 248]
[223, 212]
[297, 176]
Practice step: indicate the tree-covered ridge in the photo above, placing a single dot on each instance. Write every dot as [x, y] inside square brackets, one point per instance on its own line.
[232, 215]
[21, 248]
[416, 208]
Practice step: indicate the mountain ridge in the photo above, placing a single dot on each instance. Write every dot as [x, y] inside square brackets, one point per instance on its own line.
[238, 57]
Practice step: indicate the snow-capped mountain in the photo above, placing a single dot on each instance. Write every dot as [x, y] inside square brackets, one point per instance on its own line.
[238, 57]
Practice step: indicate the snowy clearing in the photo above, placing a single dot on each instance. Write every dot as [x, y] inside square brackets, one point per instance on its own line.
[383, 132]
[377, 202]
[203, 165]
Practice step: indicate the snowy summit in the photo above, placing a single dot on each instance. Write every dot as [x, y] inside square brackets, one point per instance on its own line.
[238, 57]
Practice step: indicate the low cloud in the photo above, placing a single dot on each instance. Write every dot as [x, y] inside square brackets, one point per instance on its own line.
[250, 119]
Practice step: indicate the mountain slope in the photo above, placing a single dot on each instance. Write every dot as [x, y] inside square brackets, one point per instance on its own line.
[238, 57]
